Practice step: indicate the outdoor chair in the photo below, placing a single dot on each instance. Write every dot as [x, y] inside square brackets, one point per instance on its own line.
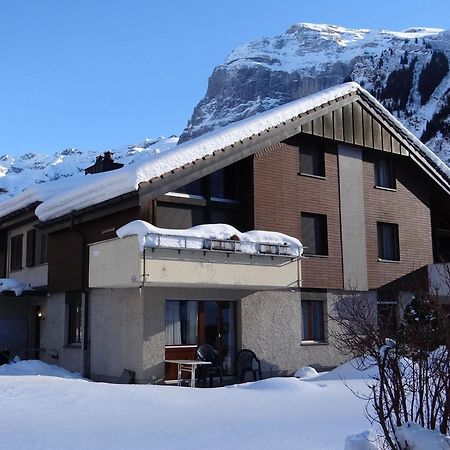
[247, 361]
[205, 352]
[4, 356]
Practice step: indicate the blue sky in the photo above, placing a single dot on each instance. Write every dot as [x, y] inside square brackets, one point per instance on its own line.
[99, 74]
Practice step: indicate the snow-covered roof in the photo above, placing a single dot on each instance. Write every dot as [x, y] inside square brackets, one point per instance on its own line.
[121, 181]
[97, 188]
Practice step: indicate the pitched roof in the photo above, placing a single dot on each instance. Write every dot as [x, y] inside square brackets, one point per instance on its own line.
[228, 144]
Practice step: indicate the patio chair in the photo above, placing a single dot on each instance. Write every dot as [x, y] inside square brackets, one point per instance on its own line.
[5, 355]
[205, 352]
[247, 361]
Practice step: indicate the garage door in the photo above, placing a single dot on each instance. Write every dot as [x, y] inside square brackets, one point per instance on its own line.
[14, 333]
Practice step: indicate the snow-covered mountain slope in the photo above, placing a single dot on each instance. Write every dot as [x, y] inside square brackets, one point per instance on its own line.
[20, 172]
[407, 71]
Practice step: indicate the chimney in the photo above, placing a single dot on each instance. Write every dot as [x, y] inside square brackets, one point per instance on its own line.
[103, 163]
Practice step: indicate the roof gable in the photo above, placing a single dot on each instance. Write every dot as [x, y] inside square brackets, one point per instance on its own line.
[355, 117]
[345, 113]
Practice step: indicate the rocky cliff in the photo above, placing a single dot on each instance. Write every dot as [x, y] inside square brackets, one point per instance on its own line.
[407, 71]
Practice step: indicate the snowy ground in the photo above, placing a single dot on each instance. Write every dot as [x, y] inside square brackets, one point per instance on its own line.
[51, 412]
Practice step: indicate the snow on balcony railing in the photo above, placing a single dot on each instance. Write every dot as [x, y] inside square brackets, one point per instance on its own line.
[213, 237]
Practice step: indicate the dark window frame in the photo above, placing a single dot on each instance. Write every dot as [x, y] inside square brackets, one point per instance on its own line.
[220, 185]
[74, 309]
[312, 159]
[320, 234]
[384, 173]
[386, 232]
[310, 333]
[43, 248]
[31, 248]
[16, 253]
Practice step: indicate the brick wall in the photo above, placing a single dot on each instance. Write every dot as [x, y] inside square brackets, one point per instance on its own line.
[281, 195]
[407, 206]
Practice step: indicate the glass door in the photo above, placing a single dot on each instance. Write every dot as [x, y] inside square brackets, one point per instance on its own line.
[220, 331]
[190, 323]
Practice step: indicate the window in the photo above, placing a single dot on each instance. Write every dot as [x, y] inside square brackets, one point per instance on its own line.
[16, 252]
[387, 312]
[224, 183]
[197, 188]
[314, 234]
[388, 246]
[73, 308]
[312, 320]
[36, 248]
[181, 322]
[221, 184]
[384, 173]
[312, 158]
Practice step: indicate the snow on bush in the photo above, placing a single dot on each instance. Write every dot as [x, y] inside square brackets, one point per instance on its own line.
[368, 440]
[413, 437]
[305, 372]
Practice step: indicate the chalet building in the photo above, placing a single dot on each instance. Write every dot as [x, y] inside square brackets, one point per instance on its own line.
[336, 170]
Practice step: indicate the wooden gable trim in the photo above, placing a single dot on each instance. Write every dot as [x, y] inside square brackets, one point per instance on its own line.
[355, 124]
[362, 123]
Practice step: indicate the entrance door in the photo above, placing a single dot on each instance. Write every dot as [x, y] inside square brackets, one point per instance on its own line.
[191, 322]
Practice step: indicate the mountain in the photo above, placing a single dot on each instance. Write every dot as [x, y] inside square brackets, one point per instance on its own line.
[20, 172]
[407, 71]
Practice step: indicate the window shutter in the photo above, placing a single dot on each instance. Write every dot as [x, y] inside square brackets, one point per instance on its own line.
[16, 252]
[31, 248]
[308, 234]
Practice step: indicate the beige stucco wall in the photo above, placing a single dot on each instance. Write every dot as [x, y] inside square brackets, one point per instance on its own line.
[186, 268]
[128, 330]
[116, 332]
[272, 328]
[54, 335]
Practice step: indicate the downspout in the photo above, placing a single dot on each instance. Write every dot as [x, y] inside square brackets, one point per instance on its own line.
[85, 292]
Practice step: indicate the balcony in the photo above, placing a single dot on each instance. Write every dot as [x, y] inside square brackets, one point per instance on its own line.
[192, 262]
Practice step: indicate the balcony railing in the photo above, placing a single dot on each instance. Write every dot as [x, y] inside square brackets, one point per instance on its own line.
[224, 245]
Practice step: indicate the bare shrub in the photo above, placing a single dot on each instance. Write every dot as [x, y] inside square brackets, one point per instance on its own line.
[413, 361]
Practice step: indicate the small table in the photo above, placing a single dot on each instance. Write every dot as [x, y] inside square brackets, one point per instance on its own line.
[187, 365]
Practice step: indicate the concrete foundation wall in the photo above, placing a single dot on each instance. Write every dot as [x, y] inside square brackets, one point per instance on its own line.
[54, 335]
[116, 317]
[128, 330]
[272, 328]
